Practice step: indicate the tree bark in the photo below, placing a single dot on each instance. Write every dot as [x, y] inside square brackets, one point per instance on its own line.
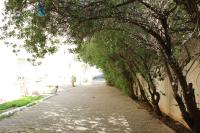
[192, 115]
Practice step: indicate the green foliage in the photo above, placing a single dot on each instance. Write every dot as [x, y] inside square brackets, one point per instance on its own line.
[105, 32]
[73, 80]
[102, 52]
[20, 102]
[124, 38]
[115, 78]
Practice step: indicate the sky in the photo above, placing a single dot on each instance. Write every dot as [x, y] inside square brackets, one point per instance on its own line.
[53, 66]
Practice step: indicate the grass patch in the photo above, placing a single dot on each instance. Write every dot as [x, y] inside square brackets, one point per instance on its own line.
[19, 103]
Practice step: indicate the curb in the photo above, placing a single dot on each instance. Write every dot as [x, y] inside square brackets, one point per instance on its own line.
[11, 112]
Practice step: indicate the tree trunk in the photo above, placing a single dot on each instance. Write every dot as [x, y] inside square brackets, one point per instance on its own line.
[129, 79]
[179, 100]
[155, 96]
[192, 115]
[196, 127]
[142, 92]
[131, 91]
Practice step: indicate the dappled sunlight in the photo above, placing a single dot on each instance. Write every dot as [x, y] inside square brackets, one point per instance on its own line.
[74, 123]
[70, 111]
[48, 114]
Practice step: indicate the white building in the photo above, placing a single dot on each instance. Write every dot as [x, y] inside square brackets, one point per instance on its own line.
[19, 78]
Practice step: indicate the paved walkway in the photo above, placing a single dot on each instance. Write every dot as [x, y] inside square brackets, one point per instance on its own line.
[95, 109]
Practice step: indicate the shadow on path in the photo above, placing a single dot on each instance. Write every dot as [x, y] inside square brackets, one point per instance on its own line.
[96, 108]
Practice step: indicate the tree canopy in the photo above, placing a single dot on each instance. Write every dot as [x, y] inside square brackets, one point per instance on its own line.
[127, 39]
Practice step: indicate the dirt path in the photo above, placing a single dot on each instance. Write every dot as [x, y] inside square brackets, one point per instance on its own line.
[96, 109]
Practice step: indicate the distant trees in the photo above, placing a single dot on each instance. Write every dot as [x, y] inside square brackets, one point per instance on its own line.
[127, 39]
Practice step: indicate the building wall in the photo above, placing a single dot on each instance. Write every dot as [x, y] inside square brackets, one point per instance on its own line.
[167, 102]
[9, 88]
[18, 77]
